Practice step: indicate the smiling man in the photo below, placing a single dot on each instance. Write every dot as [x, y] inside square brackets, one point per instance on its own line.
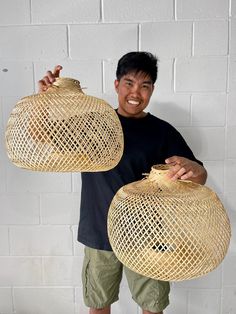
[148, 140]
[134, 92]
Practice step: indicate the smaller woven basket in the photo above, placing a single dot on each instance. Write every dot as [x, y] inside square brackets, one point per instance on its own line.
[63, 129]
[168, 230]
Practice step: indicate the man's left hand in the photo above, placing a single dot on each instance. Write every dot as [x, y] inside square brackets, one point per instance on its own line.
[186, 169]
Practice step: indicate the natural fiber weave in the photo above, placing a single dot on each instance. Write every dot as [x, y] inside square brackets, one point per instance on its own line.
[63, 129]
[168, 230]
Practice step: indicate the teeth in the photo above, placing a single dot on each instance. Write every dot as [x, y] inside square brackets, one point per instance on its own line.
[133, 102]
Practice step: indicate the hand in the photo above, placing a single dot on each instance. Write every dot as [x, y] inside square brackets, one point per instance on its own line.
[49, 78]
[186, 169]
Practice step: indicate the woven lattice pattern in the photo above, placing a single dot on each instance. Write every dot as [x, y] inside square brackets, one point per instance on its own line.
[64, 130]
[168, 230]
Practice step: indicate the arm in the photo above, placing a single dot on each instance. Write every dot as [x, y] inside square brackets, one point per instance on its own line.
[186, 169]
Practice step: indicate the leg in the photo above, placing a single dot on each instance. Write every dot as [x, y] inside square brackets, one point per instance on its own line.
[150, 294]
[101, 276]
[105, 310]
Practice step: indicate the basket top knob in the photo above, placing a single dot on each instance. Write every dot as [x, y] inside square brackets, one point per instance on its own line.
[65, 82]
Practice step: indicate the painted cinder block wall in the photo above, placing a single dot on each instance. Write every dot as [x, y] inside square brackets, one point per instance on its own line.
[40, 260]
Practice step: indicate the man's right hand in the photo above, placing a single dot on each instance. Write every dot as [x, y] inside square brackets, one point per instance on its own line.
[49, 78]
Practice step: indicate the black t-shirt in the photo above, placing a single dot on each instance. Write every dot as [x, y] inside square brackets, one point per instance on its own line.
[147, 141]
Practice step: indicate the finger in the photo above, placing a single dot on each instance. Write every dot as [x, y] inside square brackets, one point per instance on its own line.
[176, 172]
[187, 175]
[57, 69]
[44, 84]
[179, 174]
[49, 78]
[170, 160]
[174, 160]
[41, 85]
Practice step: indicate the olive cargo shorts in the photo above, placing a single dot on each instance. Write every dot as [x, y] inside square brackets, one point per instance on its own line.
[101, 276]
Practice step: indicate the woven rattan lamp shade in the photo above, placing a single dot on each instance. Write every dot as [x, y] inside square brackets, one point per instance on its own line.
[64, 130]
[168, 230]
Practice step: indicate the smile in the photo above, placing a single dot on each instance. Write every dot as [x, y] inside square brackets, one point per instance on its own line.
[134, 102]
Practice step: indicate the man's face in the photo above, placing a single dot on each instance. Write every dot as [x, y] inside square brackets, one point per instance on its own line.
[134, 92]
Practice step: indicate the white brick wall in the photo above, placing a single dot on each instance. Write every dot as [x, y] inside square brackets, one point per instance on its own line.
[20, 271]
[134, 10]
[41, 240]
[232, 74]
[205, 302]
[64, 12]
[215, 179]
[62, 270]
[44, 300]
[233, 8]
[204, 148]
[230, 172]
[19, 180]
[210, 38]
[40, 258]
[209, 103]
[232, 36]
[212, 280]
[6, 300]
[171, 107]
[229, 268]
[4, 241]
[229, 300]
[60, 208]
[15, 210]
[210, 9]
[231, 112]
[169, 34]
[22, 42]
[201, 74]
[14, 12]
[102, 41]
[9, 77]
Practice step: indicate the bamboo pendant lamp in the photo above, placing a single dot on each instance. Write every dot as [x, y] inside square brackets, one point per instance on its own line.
[63, 129]
[168, 230]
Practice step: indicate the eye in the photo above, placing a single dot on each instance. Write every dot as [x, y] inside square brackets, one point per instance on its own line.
[128, 83]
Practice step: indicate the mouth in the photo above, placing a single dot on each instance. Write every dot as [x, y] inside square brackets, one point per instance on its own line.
[134, 102]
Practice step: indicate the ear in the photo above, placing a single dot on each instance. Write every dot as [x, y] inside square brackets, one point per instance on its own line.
[116, 84]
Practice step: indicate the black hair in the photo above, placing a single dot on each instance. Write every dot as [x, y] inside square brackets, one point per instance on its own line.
[136, 62]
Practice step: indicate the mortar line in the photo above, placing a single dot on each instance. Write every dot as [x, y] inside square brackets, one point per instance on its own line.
[101, 11]
[139, 37]
[68, 41]
[193, 40]
[175, 9]
[30, 8]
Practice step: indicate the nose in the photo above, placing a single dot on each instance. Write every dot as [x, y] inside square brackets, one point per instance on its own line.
[135, 90]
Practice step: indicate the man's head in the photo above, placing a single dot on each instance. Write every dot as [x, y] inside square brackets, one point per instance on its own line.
[136, 74]
[138, 62]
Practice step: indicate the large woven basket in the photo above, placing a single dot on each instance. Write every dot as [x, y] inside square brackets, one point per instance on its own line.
[64, 130]
[168, 230]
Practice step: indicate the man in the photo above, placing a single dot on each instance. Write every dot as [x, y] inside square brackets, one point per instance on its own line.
[148, 140]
